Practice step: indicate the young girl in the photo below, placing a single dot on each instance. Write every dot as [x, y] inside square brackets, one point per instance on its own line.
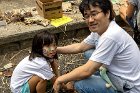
[32, 73]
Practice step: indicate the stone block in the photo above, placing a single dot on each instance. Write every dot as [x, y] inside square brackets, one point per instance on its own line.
[82, 32]
[67, 34]
[7, 48]
[25, 43]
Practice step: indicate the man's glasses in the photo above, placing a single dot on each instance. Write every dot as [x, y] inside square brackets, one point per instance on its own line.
[92, 15]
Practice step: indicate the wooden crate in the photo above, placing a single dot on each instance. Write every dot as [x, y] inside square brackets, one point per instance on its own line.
[49, 10]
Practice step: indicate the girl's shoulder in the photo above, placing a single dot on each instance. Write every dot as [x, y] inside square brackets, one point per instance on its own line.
[40, 61]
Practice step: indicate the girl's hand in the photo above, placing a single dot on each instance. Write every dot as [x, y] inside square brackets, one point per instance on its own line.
[56, 86]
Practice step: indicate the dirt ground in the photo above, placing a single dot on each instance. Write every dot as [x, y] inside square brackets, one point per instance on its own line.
[15, 4]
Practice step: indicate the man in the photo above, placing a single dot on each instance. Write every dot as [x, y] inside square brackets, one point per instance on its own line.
[115, 49]
[131, 15]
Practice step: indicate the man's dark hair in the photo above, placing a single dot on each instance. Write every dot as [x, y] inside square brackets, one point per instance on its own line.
[105, 5]
[41, 39]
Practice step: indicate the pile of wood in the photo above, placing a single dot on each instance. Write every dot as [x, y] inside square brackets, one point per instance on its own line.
[24, 16]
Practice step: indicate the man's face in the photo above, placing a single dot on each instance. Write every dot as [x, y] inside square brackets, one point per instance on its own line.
[97, 21]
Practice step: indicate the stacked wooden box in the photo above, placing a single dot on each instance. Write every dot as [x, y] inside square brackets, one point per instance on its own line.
[49, 9]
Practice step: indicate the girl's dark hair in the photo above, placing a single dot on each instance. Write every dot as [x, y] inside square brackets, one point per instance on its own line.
[39, 40]
[105, 5]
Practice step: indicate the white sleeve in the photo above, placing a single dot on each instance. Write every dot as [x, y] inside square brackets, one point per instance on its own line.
[92, 39]
[45, 72]
[105, 51]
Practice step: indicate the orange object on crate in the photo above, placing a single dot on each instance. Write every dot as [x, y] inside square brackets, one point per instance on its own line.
[49, 10]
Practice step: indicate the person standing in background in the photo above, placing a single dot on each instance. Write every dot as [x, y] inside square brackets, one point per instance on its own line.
[130, 13]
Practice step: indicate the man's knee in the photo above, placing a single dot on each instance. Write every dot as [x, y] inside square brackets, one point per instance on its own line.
[88, 53]
[78, 86]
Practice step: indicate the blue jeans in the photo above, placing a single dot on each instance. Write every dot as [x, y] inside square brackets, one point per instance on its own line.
[93, 84]
[88, 53]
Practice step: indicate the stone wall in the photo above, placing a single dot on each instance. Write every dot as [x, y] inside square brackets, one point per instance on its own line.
[22, 44]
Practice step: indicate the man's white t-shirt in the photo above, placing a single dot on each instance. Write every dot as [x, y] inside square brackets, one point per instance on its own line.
[117, 50]
[26, 69]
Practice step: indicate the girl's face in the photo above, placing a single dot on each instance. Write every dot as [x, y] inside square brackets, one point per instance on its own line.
[49, 51]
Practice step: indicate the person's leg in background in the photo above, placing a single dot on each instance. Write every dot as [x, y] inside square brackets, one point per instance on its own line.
[137, 35]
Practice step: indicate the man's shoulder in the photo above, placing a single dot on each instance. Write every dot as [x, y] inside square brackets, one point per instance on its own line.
[113, 29]
[114, 32]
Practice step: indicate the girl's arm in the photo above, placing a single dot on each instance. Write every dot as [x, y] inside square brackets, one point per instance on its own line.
[55, 68]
